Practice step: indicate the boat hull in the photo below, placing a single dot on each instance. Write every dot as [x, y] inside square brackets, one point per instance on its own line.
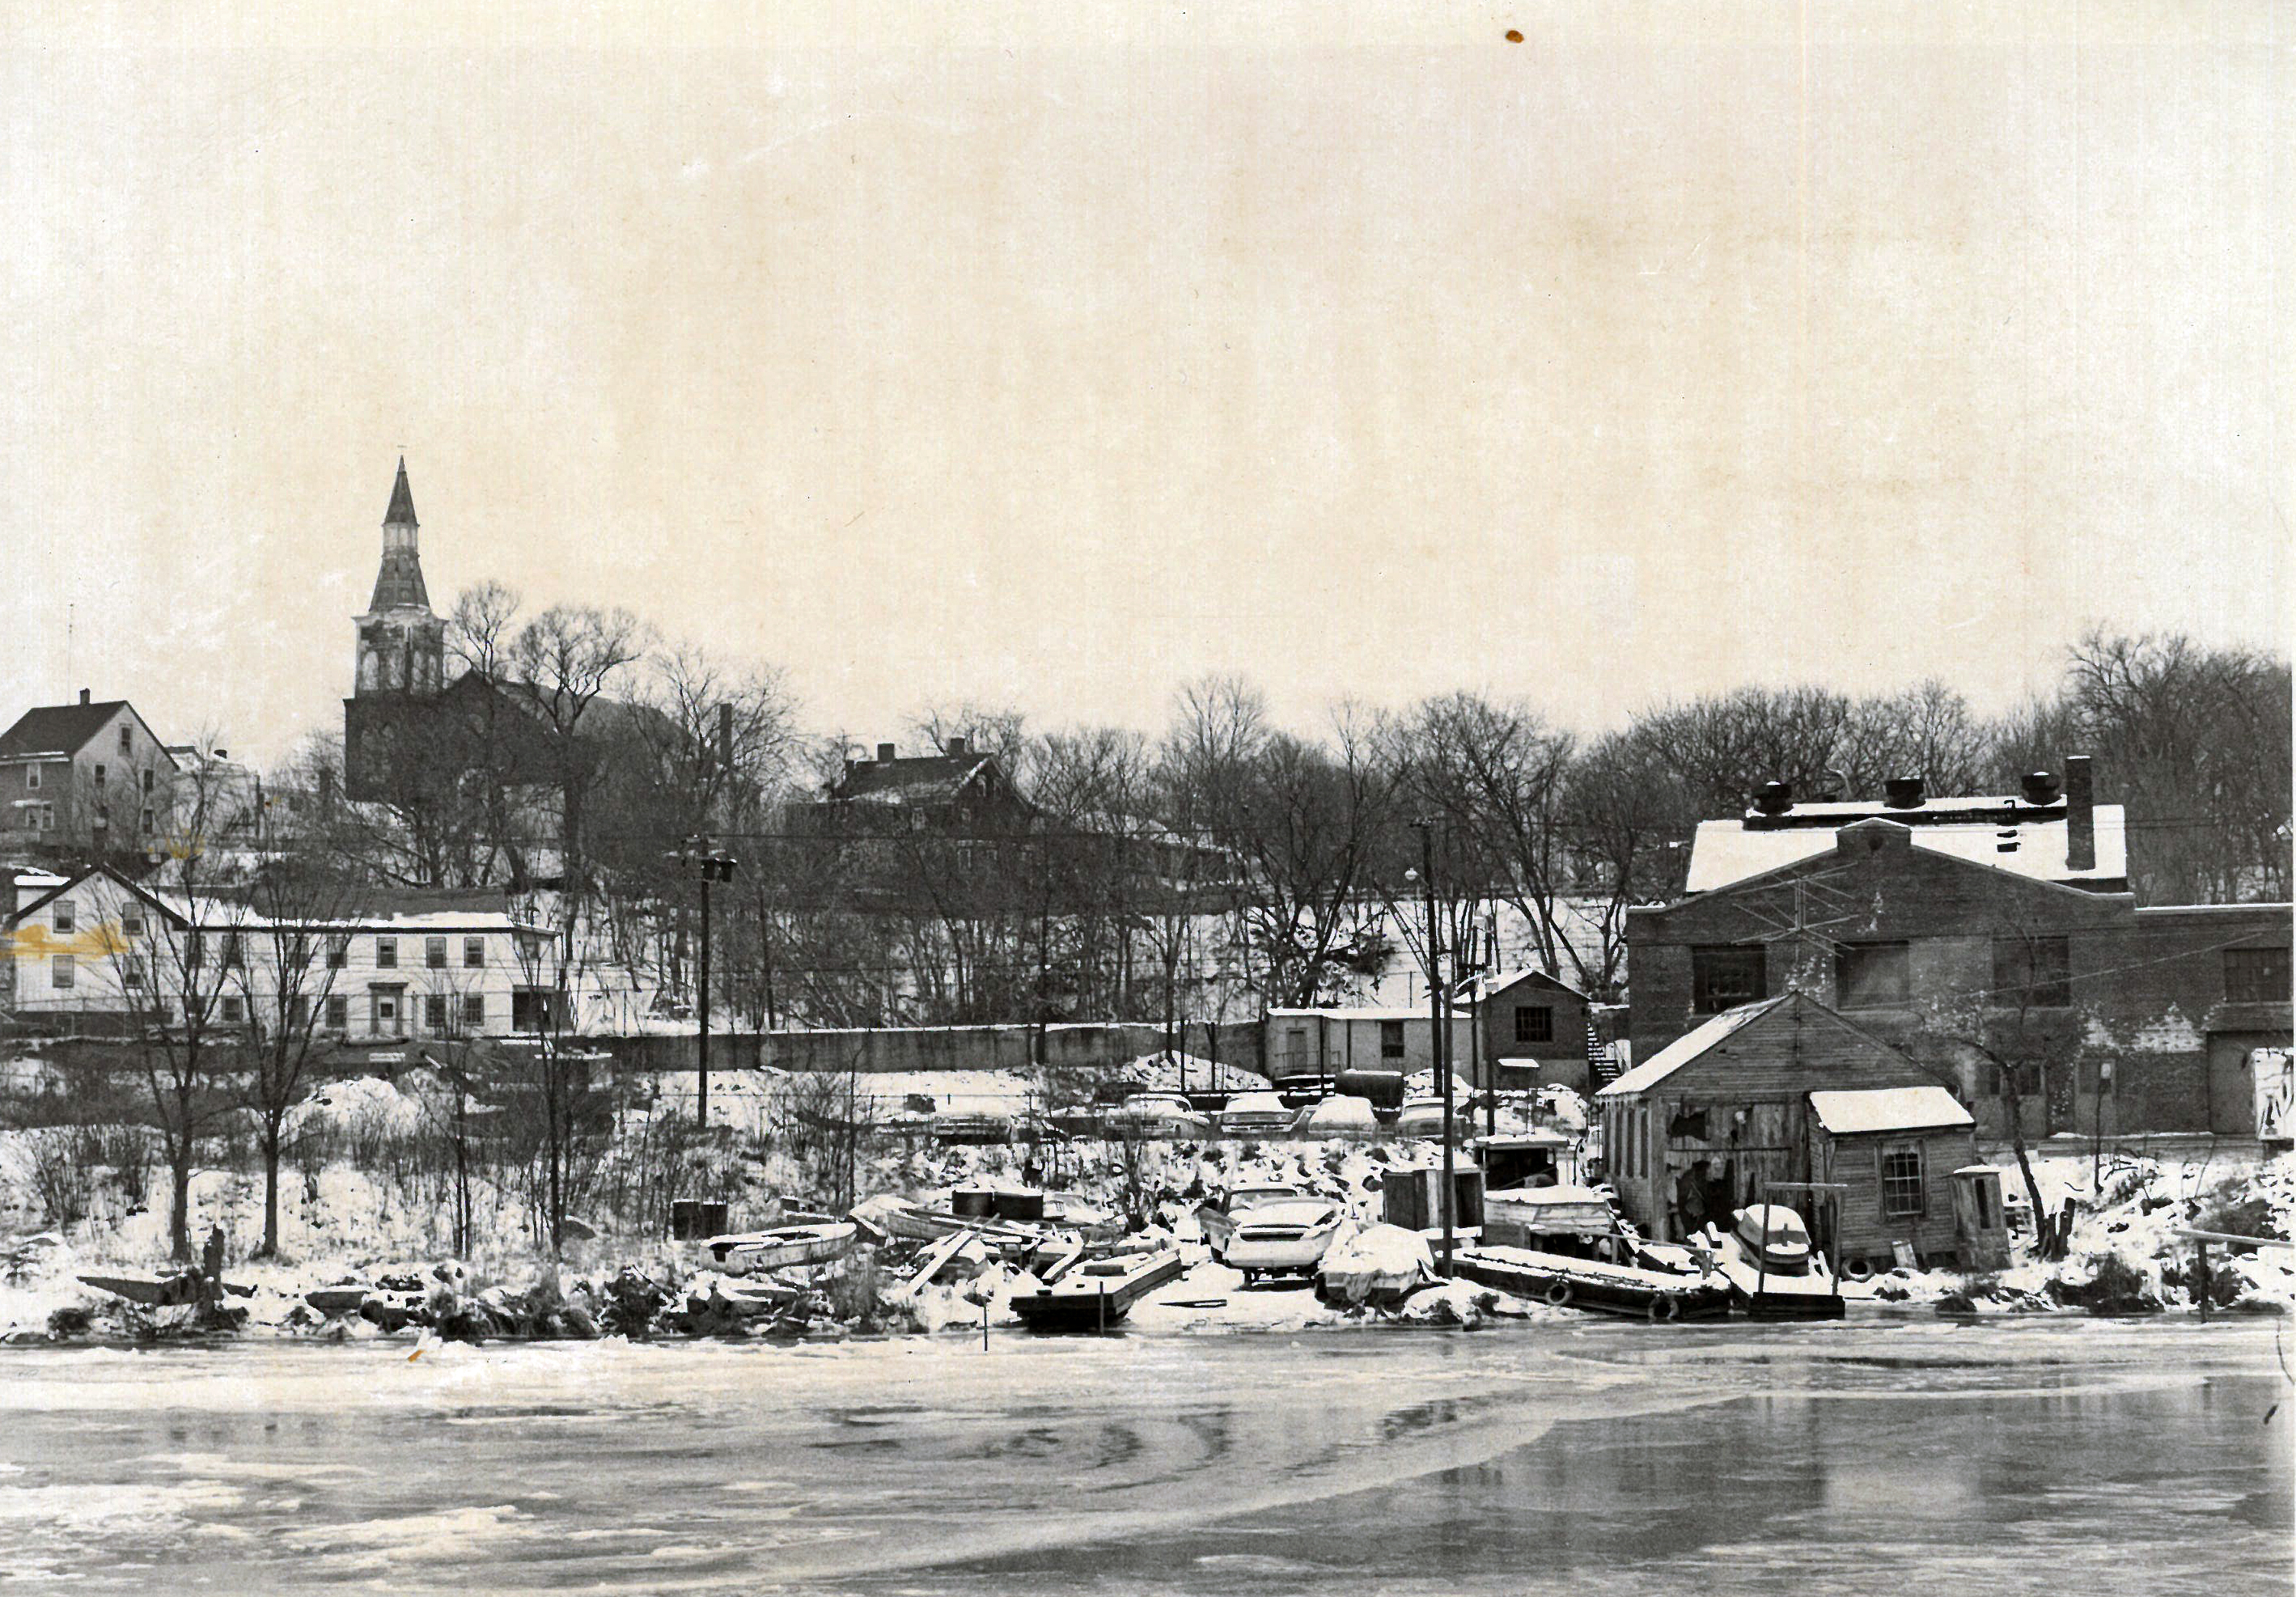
[1564, 1280]
[1081, 1302]
[781, 1248]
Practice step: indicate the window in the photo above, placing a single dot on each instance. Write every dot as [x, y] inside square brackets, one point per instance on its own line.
[338, 952]
[298, 1011]
[131, 923]
[1390, 1039]
[2256, 975]
[1724, 978]
[434, 953]
[31, 778]
[474, 953]
[232, 955]
[532, 1009]
[147, 784]
[1901, 1183]
[47, 818]
[131, 971]
[2033, 970]
[1534, 1023]
[299, 951]
[127, 740]
[386, 954]
[195, 951]
[63, 971]
[235, 1009]
[1872, 975]
[149, 820]
[99, 776]
[475, 1011]
[339, 1012]
[434, 1013]
[62, 915]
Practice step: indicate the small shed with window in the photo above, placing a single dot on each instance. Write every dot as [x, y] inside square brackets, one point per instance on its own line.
[1534, 1032]
[1895, 1150]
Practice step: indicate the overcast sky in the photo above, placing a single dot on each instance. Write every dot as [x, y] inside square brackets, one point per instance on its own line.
[1056, 356]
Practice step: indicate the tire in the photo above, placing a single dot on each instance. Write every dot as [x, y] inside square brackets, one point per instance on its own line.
[1559, 1294]
[1857, 1270]
[1665, 1309]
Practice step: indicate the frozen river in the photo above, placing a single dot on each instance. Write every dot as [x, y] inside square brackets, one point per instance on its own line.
[1583, 1458]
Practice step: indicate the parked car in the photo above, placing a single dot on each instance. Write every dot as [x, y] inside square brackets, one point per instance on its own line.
[1250, 1112]
[1338, 1117]
[1424, 1118]
[1217, 1218]
[1288, 1238]
[1158, 1115]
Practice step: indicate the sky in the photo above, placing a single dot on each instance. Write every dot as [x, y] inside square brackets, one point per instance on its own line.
[1055, 354]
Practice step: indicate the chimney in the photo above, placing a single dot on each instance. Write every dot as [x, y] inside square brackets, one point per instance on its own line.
[885, 754]
[83, 695]
[2080, 814]
[725, 737]
[956, 747]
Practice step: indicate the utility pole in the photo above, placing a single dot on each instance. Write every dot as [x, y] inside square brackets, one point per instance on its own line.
[1442, 1042]
[697, 859]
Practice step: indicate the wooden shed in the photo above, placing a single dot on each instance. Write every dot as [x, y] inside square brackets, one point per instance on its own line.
[1696, 1131]
[1895, 1150]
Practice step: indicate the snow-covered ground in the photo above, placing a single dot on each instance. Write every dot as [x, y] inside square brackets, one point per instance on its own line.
[338, 1222]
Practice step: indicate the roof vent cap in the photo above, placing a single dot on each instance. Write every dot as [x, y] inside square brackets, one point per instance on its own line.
[1774, 798]
[2040, 788]
[1903, 792]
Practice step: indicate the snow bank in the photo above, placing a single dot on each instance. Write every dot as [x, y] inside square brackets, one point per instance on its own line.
[1185, 1072]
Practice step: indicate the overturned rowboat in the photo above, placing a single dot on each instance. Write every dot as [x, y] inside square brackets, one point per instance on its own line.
[782, 1246]
[1566, 1281]
[172, 1291]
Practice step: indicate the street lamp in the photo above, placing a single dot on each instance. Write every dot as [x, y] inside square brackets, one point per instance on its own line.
[698, 859]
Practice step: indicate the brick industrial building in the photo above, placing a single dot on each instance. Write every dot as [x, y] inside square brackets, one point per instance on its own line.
[1993, 937]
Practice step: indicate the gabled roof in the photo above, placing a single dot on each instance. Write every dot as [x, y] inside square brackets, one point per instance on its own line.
[1889, 1109]
[1500, 981]
[2004, 832]
[1688, 1046]
[920, 778]
[61, 729]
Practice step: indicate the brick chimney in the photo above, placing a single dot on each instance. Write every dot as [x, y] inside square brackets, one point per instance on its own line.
[956, 747]
[83, 695]
[2080, 814]
[885, 754]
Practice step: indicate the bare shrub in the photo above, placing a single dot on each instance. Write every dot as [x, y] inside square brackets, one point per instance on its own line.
[63, 1160]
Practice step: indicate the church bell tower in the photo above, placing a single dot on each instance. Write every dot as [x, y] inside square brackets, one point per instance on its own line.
[401, 645]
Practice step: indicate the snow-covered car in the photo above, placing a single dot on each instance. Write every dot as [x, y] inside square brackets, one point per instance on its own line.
[1217, 1218]
[1255, 1112]
[1286, 1238]
[1158, 1115]
[1424, 1118]
[1338, 1117]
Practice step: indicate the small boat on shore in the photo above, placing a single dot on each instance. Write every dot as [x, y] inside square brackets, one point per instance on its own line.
[1098, 1293]
[1774, 1271]
[1561, 1279]
[171, 1291]
[783, 1246]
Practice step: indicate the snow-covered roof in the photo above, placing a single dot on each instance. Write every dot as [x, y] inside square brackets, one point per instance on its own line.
[1392, 1011]
[1688, 1046]
[2002, 833]
[1498, 981]
[1889, 1109]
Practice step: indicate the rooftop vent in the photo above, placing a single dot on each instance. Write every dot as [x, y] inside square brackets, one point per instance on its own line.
[956, 748]
[1902, 792]
[1774, 798]
[885, 754]
[2040, 788]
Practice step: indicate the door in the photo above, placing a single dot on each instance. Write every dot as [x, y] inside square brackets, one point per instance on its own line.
[2232, 1079]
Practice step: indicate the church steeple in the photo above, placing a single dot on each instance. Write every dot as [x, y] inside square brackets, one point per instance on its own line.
[401, 643]
[401, 512]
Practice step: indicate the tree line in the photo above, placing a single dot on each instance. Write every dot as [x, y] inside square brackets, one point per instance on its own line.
[1183, 875]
